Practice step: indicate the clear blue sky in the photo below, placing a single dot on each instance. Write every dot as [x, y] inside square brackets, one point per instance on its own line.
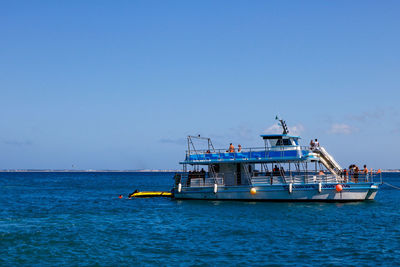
[120, 84]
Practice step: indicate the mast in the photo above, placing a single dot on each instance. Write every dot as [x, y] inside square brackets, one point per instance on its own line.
[283, 124]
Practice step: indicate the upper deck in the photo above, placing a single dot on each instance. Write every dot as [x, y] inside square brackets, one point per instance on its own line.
[277, 148]
[253, 155]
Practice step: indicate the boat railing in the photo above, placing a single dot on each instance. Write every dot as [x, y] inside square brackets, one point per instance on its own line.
[329, 178]
[362, 177]
[266, 178]
[201, 179]
[209, 182]
[246, 153]
[309, 178]
[246, 149]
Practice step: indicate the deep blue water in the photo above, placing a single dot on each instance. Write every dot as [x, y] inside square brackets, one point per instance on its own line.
[78, 219]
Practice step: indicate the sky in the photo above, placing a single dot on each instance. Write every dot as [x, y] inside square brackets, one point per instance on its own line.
[120, 84]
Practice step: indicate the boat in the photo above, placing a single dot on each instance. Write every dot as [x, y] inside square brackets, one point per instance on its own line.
[146, 194]
[280, 170]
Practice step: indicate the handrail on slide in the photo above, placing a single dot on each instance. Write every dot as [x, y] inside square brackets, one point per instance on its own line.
[328, 161]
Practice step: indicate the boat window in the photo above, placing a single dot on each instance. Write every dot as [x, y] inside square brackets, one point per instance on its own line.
[283, 142]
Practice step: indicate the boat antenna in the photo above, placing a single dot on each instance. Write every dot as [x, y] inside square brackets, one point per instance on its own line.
[283, 124]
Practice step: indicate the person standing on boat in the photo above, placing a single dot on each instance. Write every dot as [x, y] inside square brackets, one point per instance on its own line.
[231, 148]
[356, 170]
[316, 144]
[351, 173]
[203, 175]
[239, 148]
[365, 171]
[275, 171]
[312, 145]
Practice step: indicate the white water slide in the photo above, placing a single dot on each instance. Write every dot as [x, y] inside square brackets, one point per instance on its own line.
[328, 161]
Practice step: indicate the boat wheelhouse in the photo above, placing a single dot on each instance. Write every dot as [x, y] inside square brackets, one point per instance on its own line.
[280, 170]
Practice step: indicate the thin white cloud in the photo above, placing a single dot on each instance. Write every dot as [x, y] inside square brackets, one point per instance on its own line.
[341, 128]
[178, 141]
[366, 116]
[296, 129]
[273, 129]
[18, 142]
[242, 131]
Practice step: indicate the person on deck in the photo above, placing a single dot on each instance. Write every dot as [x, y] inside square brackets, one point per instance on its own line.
[239, 148]
[351, 172]
[356, 170]
[275, 171]
[203, 175]
[231, 148]
[316, 144]
[312, 145]
[365, 172]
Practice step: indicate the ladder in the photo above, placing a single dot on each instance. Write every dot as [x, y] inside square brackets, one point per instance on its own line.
[247, 174]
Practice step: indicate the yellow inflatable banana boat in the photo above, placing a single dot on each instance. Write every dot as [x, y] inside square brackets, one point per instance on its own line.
[151, 194]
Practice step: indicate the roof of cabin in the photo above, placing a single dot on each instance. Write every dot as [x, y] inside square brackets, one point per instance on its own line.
[278, 136]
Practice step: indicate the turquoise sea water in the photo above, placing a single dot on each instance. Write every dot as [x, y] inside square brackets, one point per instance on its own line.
[78, 219]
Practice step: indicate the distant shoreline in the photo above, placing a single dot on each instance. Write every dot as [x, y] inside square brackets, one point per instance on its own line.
[34, 170]
[94, 171]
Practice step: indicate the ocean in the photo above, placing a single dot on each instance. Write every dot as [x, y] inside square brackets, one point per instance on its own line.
[78, 219]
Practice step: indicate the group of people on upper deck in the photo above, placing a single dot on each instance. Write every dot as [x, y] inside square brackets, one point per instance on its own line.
[231, 148]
